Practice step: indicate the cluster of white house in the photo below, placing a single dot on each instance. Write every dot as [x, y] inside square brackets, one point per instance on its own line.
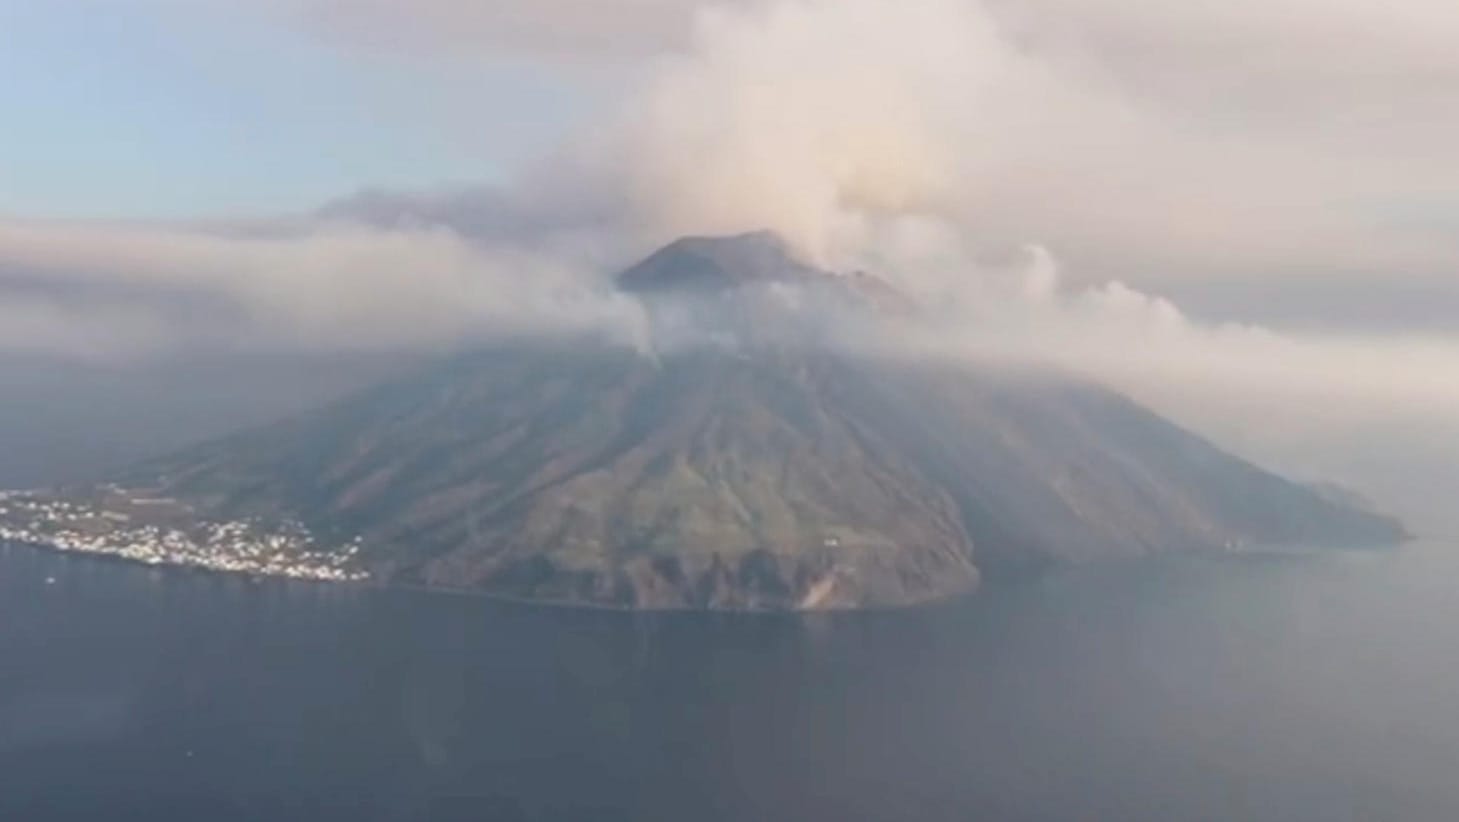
[238, 547]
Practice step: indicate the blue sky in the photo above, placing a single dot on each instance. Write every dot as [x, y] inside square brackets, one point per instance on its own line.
[132, 110]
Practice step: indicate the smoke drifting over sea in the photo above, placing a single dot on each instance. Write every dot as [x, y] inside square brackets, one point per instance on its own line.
[1040, 172]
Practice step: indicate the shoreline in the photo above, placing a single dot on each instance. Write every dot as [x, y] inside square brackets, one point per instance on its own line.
[176, 567]
[1252, 553]
[463, 593]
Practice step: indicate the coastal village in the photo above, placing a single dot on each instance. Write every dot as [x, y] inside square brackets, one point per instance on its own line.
[159, 531]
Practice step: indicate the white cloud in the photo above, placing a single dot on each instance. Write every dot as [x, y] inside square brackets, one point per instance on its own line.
[1378, 410]
[122, 290]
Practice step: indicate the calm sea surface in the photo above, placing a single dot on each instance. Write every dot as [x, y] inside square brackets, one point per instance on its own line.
[1295, 689]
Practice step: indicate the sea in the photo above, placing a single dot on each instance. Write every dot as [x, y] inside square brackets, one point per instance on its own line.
[1316, 686]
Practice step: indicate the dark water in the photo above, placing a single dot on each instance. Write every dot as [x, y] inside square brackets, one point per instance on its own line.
[1262, 689]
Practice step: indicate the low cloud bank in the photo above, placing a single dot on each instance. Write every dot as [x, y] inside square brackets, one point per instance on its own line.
[1147, 344]
[121, 292]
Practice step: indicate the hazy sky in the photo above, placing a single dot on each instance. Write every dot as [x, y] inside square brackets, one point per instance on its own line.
[187, 108]
[1212, 198]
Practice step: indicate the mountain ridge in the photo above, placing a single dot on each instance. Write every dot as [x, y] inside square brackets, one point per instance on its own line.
[715, 263]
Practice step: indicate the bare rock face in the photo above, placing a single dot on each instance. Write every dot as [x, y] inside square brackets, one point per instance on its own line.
[772, 473]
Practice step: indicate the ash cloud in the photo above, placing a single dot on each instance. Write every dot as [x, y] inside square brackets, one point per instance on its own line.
[1136, 138]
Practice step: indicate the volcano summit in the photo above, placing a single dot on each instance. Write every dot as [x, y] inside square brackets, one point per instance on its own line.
[752, 465]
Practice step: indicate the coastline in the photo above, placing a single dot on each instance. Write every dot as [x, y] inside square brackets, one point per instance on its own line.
[371, 584]
[178, 567]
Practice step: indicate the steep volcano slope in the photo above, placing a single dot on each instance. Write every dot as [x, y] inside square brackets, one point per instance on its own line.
[1046, 468]
[757, 466]
[711, 479]
[708, 480]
